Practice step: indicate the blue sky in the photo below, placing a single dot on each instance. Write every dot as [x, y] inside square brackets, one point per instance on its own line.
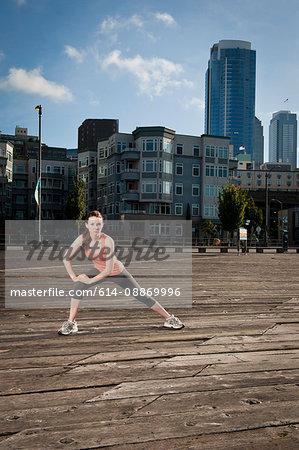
[140, 62]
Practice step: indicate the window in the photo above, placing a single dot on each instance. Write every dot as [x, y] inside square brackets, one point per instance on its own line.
[222, 172]
[161, 229]
[20, 169]
[118, 165]
[150, 145]
[278, 182]
[56, 169]
[111, 169]
[33, 169]
[278, 176]
[222, 152]
[167, 146]
[210, 171]
[149, 187]
[166, 187]
[149, 165]
[210, 211]
[196, 150]
[210, 150]
[195, 170]
[179, 230]
[248, 174]
[259, 182]
[178, 209]
[101, 154]
[195, 189]
[179, 169]
[179, 149]
[179, 189]
[211, 190]
[195, 210]
[48, 169]
[167, 166]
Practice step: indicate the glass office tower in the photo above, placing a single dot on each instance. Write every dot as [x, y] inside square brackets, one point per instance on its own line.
[230, 93]
[283, 138]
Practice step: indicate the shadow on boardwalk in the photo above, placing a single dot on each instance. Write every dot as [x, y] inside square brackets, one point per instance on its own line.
[228, 380]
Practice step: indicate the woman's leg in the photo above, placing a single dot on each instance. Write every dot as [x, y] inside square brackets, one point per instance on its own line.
[126, 280]
[75, 301]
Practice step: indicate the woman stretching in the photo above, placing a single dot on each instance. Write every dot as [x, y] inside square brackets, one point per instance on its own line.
[97, 246]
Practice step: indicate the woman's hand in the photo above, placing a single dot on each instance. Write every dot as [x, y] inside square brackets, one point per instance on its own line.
[84, 279]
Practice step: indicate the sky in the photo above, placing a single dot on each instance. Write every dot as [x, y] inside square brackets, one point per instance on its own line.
[140, 62]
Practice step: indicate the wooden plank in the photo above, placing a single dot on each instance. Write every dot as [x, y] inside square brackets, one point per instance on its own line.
[200, 383]
[131, 430]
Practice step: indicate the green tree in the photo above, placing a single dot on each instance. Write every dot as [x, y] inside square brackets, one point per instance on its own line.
[209, 228]
[188, 212]
[253, 213]
[75, 205]
[232, 204]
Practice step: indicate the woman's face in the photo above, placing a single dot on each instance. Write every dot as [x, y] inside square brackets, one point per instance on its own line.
[94, 226]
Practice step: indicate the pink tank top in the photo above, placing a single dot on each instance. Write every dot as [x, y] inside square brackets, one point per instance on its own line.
[99, 261]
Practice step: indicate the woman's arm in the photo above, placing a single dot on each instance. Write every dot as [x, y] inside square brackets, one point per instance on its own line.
[109, 244]
[68, 256]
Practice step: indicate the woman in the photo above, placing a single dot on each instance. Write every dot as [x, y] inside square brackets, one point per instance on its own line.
[97, 246]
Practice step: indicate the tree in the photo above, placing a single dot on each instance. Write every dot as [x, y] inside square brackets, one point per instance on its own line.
[253, 213]
[75, 205]
[209, 228]
[232, 204]
[188, 212]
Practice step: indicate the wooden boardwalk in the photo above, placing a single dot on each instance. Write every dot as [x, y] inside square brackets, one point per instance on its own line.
[229, 379]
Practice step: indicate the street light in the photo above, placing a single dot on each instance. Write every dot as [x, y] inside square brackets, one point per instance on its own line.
[38, 191]
[266, 209]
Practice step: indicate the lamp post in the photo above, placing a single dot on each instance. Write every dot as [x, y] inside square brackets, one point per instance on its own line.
[278, 201]
[39, 109]
[266, 210]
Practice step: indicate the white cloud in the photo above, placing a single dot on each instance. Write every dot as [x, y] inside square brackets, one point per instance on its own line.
[20, 2]
[153, 75]
[74, 54]
[117, 23]
[32, 82]
[166, 18]
[112, 25]
[195, 103]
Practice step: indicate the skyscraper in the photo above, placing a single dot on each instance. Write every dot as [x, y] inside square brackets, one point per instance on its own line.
[230, 93]
[92, 130]
[258, 144]
[283, 138]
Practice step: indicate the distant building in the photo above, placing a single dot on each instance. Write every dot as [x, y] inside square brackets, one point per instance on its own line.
[154, 172]
[6, 178]
[258, 143]
[92, 130]
[230, 93]
[72, 154]
[19, 167]
[283, 138]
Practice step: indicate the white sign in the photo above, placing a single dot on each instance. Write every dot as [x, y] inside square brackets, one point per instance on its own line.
[243, 234]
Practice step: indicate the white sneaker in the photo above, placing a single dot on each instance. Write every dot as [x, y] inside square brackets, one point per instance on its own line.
[173, 322]
[68, 327]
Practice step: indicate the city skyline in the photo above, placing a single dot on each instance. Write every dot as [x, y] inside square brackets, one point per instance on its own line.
[146, 67]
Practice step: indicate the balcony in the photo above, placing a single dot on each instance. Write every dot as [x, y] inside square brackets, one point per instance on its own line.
[130, 174]
[130, 154]
[130, 195]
